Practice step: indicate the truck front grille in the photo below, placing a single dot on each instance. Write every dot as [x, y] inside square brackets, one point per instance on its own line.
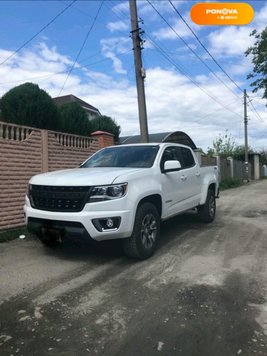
[62, 199]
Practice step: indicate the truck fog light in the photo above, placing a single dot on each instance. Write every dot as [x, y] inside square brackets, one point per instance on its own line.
[107, 224]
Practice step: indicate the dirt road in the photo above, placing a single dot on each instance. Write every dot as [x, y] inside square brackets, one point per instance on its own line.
[203, 293]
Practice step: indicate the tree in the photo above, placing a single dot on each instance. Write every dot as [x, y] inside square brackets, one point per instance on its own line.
[226, 146]
[29, 105]
[259, 60]
[73, 119]
[263, 155]
[223, 145]
[106, 123]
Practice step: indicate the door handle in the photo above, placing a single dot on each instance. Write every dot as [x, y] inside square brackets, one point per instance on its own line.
[183, 177]
[197, 174]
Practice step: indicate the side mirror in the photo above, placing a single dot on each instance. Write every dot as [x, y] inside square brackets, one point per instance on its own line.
[171, 166]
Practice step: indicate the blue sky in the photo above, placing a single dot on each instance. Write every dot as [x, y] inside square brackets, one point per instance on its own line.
[182, 93]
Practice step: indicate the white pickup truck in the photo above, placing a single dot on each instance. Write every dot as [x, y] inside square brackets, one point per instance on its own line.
[121, 192]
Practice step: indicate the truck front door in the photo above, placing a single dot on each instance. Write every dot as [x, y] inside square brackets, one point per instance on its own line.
[181, 188]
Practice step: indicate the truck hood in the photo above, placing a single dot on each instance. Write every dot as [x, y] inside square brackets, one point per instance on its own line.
[82, 176]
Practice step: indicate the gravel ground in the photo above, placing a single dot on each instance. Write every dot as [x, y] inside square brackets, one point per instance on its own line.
[204, 292]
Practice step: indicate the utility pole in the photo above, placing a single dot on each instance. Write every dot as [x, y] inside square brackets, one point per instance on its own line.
[139, 71]
[246, 135]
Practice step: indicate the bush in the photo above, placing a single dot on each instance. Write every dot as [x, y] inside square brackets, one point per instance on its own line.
[74, 120]
[106, 123]
[230, 183]
[29, 105]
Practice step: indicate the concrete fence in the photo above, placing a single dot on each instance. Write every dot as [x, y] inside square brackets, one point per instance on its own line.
[26, 151]
[232, 168]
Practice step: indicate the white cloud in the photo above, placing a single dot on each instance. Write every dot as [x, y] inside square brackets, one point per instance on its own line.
[116, 44]
[51, 54]
[234, 40]
[231, 41]
[260, 19]
[122, 8]
[145, 9]
[166, 33]
[173, 102]
[118, 26]
[111, 47]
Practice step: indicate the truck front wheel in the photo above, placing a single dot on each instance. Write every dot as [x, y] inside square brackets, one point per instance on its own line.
[207, 211]
[143, 241]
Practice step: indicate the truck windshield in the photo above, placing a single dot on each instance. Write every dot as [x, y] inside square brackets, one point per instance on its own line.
[124, 156]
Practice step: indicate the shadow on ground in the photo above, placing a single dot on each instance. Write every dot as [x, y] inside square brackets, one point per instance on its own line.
[82, 250]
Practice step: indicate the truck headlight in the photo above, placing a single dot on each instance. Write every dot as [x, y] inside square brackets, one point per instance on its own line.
[28, 190]
[107, 192]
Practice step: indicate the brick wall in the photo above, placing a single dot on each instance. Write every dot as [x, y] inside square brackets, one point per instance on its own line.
[105, 138]
[26, 151]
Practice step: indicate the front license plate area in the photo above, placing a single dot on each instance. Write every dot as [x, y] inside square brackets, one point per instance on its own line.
[51, 234]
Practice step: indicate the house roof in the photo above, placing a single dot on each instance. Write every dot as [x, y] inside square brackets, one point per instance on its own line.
[60, 100]
[175, 137]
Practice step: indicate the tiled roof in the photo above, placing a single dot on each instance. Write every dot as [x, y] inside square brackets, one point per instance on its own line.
[60, 100]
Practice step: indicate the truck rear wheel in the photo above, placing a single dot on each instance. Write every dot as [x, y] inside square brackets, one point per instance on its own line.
[207, 211]
[143, 242]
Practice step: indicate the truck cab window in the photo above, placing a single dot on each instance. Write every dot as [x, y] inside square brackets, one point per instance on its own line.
[188, 159]
[168, 155]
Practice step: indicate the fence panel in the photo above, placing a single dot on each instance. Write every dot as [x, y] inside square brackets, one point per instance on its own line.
[208, 161]
[68, 151]
[20, 158]
[26, 151]
[225, 169]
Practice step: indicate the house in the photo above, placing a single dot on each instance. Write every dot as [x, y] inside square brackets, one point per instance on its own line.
[91, 111]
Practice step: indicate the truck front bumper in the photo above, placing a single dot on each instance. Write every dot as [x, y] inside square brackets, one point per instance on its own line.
[83, 224]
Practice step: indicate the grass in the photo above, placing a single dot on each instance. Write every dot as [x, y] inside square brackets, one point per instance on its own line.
[230, 183]
[12, 234]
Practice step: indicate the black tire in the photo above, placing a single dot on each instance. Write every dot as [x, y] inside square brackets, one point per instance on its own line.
[207, 211]
[143, 242]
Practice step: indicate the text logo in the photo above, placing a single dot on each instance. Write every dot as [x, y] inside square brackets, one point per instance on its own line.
[222, 13]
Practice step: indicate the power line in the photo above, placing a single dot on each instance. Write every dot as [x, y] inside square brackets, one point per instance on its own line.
[191, 49]
[203, 46]
[41, 30]
[52, 74]
[175, 65]
[254, 109]
[82, 46]
[85, 66]
[170, 60]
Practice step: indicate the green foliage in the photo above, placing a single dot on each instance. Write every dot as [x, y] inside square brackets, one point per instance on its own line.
[223, 145]
[263, 155]
[13, 234]
[106, 123]
[74, 120]
[259, 59]
[239, 152]
[226, 146]
[230, 183]
[29, 105]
